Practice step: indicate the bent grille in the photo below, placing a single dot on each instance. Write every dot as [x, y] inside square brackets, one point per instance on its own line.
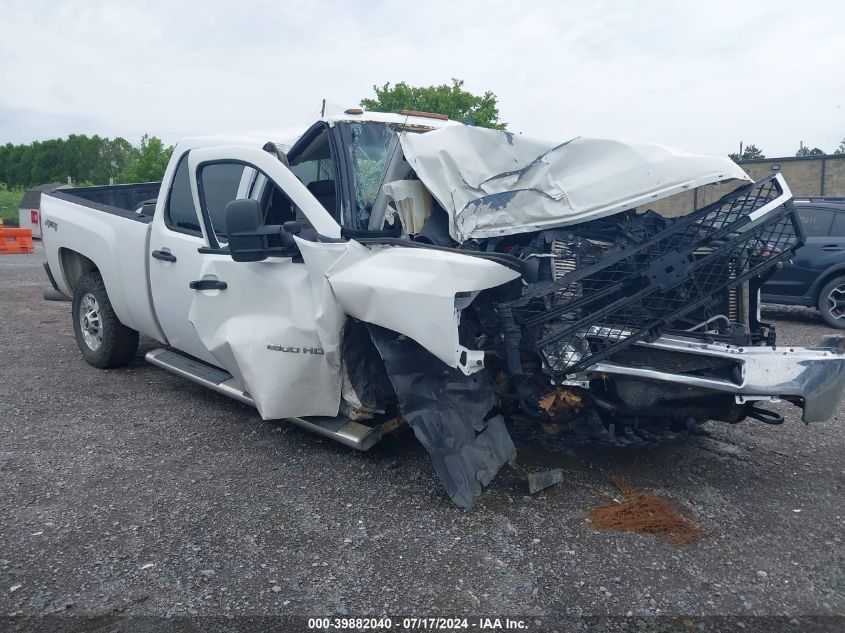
[587, 313]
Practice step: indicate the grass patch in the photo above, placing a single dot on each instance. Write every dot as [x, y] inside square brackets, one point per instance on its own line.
[9, 201]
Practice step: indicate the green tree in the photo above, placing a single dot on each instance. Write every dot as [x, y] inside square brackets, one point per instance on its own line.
[806, 151]
[147, 162]
[841, 148]
[15, 165]
[750, 152]
[452, 100]
[85, 159]
[115, 158]
[80, 158]
[47, 160]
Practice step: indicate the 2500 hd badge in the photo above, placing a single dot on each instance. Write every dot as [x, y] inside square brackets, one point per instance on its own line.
[295, 350]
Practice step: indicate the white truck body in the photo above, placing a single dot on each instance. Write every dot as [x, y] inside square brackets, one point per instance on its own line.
[275, 332]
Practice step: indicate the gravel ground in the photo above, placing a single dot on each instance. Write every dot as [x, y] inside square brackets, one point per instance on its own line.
[136, 492]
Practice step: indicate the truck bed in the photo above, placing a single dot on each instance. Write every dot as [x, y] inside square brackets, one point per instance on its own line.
[103, 226]
[123, 200]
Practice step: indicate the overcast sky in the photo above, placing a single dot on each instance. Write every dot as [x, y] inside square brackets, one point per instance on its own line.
[701, 76]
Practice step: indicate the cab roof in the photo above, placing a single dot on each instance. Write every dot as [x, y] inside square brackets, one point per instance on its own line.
[390, 117]
[285, 137]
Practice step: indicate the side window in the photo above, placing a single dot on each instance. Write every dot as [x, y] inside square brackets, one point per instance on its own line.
[179, 213]
[838, 228]
[314, 162]
[314, 168]
[816, 221]
[220, 183]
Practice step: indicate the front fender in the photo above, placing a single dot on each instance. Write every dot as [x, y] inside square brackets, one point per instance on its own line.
[417, 292]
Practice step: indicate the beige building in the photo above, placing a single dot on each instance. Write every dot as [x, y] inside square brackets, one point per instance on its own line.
[810, 176]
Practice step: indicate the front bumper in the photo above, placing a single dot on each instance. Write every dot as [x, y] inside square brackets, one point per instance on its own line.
[655, 276]
[813, 377]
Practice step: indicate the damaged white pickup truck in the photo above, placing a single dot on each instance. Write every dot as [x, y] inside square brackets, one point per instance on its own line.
[385, 269]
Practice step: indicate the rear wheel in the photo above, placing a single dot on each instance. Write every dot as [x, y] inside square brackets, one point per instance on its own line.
[832, 303]
[103, 340]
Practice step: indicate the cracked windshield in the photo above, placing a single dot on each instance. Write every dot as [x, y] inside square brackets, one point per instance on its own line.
[369, 148]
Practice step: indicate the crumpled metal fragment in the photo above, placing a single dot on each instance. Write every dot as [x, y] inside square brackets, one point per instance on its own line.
[544, 479]
[447, 411]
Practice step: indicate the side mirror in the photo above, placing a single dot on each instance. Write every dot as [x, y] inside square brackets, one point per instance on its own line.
[252, 241]
[243, 219]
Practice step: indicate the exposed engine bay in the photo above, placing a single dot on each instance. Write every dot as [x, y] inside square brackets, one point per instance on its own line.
[590, 296]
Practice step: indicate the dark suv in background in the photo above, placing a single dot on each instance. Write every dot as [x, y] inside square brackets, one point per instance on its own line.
[816, 276]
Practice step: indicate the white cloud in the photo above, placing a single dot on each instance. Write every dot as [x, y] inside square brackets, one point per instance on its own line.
[699, 76]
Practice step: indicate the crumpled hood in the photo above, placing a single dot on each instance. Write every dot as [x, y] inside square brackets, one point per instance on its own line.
[497, 183]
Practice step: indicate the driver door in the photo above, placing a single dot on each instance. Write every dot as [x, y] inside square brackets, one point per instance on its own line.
[257, 319]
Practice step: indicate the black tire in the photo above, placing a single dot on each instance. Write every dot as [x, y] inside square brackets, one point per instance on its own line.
[103, 340]
[828, 309]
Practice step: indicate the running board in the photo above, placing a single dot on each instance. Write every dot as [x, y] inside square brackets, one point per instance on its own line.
[343, 430]
[200, 373]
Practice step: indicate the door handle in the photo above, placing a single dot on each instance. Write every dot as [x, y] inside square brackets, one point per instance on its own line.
[164, 256]
[831, 248]
[208, 284]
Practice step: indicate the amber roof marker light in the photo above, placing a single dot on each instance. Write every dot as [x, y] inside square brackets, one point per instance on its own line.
[427, 115]
[353, 111]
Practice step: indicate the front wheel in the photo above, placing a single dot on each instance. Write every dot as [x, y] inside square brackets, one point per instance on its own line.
[103, 340]
[832, 303]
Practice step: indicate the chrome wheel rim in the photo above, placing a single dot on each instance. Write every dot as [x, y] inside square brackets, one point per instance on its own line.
[90, 323]
[836, 302]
